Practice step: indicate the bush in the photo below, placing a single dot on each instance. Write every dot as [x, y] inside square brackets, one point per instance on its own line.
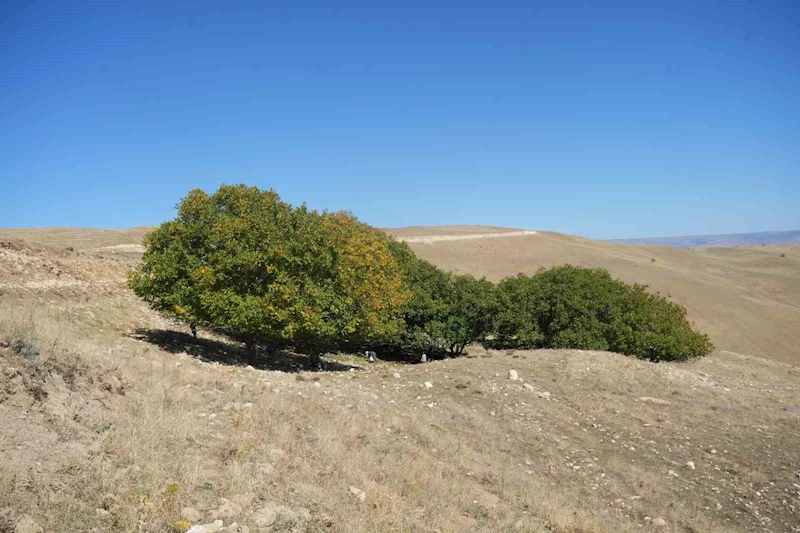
[446, 312]
[572, 307]
[243, 263]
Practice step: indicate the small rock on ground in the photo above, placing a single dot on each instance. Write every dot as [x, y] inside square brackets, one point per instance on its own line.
[190, 514]
[211, 527]
[656, 401]
[358, 493]
[266, 516]
[512, 375]
[27, 524]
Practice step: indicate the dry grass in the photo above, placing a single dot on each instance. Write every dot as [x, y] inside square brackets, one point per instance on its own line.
[746, 299]
[477, 452]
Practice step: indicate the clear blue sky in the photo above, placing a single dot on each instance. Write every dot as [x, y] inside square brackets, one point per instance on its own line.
[604, 119]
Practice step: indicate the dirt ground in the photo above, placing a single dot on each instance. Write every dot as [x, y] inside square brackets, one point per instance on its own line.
[114, 419]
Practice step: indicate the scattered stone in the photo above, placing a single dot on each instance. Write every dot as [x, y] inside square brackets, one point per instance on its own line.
[211, 527]
[190, 514]
[428, 385]
[396, 375]
[226, 509]
[113, 384]
[236, 528]
[265, 516]
[672, 473]
[27, 524]
[656, 401]
[301, 514]
[659, 522]
[529, 387]
[545, 395]
[424, 358]
[512, 375]
[690, 464]
[371, 356]
[358, 493]
[264, 468]
[101, 513]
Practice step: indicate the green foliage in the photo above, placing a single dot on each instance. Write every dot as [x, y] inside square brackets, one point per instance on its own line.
[467, 318]
[572, 307]
[244, 263]
[446, 311]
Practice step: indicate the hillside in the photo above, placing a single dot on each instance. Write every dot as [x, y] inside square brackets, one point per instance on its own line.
[730, 240]
[746, 299]
[114, 419]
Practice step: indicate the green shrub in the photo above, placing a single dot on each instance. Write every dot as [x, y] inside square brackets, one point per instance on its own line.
[446, 312]
[572, 307]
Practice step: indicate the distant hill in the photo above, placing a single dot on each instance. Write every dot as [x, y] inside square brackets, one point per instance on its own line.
[731, 240]
[747, 299]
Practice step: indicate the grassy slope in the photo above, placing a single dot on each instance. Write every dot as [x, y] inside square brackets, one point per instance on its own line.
[476, 452]
[746, 299]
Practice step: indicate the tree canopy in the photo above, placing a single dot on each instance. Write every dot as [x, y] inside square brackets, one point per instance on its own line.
[246, 264]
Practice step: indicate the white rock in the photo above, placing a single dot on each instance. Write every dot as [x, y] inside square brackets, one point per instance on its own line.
[428, 385]
[545, 395]
[358, 493]
[212, 527]
[656, 401]
[690, 464]
[396, 375]
[529, 387]
[101, 513]
[512, 375]
[659, 522]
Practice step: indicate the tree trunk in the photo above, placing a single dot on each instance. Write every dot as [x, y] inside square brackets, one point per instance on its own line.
[250, 347]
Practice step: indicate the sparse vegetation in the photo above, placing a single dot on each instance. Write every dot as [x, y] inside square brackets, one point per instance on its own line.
[476, 452]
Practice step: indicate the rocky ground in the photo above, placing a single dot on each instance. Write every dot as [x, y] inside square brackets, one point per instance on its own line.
[114, 419]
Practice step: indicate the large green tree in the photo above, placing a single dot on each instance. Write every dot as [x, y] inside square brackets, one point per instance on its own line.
[244, 263]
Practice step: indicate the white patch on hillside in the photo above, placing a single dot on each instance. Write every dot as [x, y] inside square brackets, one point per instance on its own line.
[129, 248]
[430, 239]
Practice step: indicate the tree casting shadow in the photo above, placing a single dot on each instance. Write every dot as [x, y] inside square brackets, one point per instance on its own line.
[230, 353]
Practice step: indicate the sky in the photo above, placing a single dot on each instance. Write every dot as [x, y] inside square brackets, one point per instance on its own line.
[604, 119]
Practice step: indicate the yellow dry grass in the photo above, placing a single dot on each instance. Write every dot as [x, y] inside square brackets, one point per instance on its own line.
[151, 422]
